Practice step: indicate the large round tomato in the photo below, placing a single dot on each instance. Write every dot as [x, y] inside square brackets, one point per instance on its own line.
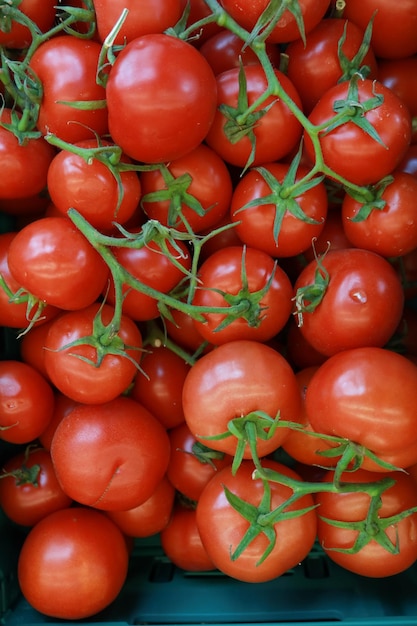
[361, 304]
[29, 489]
[271, 119]
[366, 395]
[222, 527]
[66, 67]
[373, 559]
[348, 150]
[53, 261]
[232, 276]
[161, 96]
[73, 564]
[238, 379]
[83, 372]
[110, 456]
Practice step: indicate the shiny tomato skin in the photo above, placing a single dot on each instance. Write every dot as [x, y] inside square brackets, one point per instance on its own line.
[148, 17]
[362, 303]
[391, 231]
[27, 402]
[74, 370]
[372, 560]
[151, 516]
[26, 501]
[179, 82]
[366, 395]
[315, 67]
[66, 66]
[223, 271]
[53, 261]
[255, 225]
[222, 527]
[234, 380]
[91, 188]
[348, 150]
[73, 564]
[110, 456]
[278, 121]
[62, 406]
[41, 12]
[158, 385]
[246, 13]
[400, 76]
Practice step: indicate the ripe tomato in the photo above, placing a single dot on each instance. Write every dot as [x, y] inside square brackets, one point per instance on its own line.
[316, 66]
[222, 527]
[247, 13]
[148, 17]
[366, 396]
[361, 304]
[91, 188]
[24, 164]
[73, 564]
[173, 76]
[237, 379]
[351, 152]
[66, 67]
[27, 402]
[390, 231]
[110, 456]
[16, 35]
[400, 76]
[158, 385]
[286, 226]
[62, 406]
[204, 176]
[181, 541]
[82, 372]
[394, 32]
[53, 261]
[372, 559]
[29, 489]
[191, 464]
[229, 276]
[277, 119]
[151, 516]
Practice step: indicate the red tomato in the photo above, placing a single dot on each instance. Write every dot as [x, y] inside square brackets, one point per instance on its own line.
[24, 164]
[192, 464]
[89, 373]
[53, 261]
[315, 67]
[173, 76]
[237, 379]
[110, 456]
[149, 17]
[348, 150]
[222, 527]
[181, 541]
[283, 227]
[246, 13]
[66, 66]
[204, 176]
[148, 518]
[277, 119]
[32, 346]
[62, 406]
[366, 396]
[18, 36]
[361, 304]
[91, 188]
[73, 564]
[394, 32]
[228, 277]
[158, 385]
[29, 489]
[27, 402]
[372, 560]
[400, 75]
[390, 231]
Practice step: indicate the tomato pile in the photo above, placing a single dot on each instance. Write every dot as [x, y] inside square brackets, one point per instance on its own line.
[209, 273]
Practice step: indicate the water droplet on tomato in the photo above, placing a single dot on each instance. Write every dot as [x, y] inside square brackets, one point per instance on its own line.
[359, 296]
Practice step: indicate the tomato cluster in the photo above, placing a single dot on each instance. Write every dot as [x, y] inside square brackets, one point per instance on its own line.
[210, 278]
